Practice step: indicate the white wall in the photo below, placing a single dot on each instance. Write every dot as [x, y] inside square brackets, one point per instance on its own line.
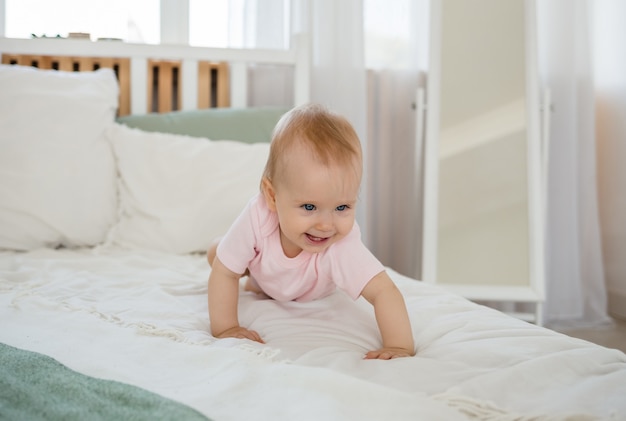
[2, 18]
[610, 80]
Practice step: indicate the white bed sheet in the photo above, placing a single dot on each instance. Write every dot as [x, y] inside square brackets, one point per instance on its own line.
[141, 317]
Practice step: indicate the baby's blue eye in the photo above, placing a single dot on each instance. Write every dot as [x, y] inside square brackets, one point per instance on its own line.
[341, 208]
[308, 207]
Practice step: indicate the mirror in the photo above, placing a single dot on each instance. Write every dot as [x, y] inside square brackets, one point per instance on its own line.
[482, 226]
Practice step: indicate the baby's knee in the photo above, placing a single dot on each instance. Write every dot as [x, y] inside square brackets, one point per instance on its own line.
[212, 251]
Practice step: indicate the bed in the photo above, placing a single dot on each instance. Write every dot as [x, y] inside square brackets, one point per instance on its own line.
[104, 222]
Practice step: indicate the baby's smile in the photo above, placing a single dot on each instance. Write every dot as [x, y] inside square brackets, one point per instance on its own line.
[317, 240]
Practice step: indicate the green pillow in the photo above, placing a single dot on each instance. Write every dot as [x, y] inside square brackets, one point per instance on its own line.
[250, 125]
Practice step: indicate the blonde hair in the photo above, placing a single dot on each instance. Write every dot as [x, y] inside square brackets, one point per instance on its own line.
[330, 138]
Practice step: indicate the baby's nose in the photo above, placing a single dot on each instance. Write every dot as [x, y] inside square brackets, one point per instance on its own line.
[324, 222]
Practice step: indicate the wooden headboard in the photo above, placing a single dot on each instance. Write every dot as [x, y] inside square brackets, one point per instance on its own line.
[163, 78]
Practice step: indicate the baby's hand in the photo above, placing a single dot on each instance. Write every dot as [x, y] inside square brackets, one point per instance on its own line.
[388, 354]
[241, 333]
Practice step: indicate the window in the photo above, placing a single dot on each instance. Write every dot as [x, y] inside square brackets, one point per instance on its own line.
[239, 23]
[388, 31]
[211, 23]
[129, 20]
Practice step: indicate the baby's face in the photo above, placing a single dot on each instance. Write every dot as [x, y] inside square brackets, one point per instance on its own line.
[315, 203]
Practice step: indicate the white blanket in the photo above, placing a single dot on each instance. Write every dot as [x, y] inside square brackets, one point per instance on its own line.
[141, 318]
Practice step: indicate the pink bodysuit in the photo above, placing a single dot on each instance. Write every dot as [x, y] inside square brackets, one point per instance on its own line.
[253, 243]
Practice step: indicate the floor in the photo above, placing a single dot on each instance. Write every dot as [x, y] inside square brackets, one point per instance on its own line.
[613, 336]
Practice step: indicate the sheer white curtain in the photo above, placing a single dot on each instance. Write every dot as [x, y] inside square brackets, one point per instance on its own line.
[575, 285]
[335, 31]
[397, 52]
[395, 216]
[610, 86]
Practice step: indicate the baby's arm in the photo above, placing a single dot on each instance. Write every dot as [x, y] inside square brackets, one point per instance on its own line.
[223, 301]
[392, 318]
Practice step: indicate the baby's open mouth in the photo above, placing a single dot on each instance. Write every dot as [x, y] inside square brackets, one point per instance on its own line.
[316, 239]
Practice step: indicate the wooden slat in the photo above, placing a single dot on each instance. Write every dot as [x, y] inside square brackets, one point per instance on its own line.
[85, 64]
[150, 83]
[25, 60]
[123, 76]
[223, 88]
[179, 87]
[66, 64]
[105, 63]
[165, 87]
[204, 84]
[44, 62]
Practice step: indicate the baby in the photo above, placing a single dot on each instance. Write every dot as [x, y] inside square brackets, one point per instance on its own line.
[298, 240]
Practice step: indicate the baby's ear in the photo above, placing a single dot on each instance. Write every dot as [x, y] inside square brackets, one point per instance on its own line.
[269, 193]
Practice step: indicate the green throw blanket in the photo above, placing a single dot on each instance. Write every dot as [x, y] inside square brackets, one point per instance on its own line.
[36, 387]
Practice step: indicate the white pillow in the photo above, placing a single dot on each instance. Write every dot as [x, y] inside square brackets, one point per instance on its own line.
[177, 193]
[57, 174]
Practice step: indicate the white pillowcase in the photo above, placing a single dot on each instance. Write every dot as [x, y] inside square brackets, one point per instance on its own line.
[57, 174]
[177, 193]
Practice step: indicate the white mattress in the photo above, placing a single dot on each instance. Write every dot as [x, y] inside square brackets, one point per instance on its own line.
[141, 317]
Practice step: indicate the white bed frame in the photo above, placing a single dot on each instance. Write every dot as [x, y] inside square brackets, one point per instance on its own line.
[140, 55]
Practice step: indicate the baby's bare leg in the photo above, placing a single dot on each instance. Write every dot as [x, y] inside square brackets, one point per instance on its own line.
[252, 286]
[212, 251]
